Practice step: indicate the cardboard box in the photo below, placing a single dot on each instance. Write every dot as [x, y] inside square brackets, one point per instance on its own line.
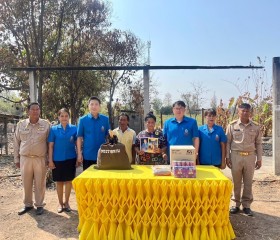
[182, 153]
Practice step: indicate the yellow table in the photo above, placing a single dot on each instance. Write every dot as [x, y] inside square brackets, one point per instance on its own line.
[134, 204]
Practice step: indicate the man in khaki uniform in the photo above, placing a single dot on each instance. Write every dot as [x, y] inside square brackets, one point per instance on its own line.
[243, 156]
[30, 155]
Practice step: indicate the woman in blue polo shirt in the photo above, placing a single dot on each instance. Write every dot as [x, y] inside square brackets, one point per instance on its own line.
[62, 157]
[212, 140]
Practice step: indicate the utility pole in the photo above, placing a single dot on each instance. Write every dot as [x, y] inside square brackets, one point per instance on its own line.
[32, 87]
[276, 115]
[149, 56]
[146, 74]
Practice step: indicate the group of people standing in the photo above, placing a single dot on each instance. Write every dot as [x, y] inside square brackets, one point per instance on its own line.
[63, 147]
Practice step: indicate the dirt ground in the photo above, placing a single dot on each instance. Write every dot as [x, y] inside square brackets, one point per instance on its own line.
[265, 225]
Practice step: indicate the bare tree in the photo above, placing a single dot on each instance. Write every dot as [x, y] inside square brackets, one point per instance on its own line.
[213, 102]
[167, 101]
[195, 98]
[37, 31]
[32, 28]
[117, 48]
[85, 23]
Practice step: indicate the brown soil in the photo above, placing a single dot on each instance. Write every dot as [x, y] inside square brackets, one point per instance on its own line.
[52, 225]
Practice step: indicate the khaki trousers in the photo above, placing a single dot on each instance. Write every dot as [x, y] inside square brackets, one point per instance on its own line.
[243, 168]
[33, 169]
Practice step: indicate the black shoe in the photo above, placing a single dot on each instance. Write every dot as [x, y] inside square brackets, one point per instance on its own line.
[39, 210]
[24, 210]
[67, 209]
[234, 210]
[248, 212]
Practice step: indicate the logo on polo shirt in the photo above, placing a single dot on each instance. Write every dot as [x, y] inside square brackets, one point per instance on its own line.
[186, 133]
[217, 137]
[102, 129]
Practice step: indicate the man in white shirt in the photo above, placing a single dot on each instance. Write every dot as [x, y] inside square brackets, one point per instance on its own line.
[126, 136]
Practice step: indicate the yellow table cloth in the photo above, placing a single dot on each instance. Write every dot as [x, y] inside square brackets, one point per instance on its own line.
[135, 204]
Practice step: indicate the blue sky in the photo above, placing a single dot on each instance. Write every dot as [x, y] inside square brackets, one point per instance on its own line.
[196, 32]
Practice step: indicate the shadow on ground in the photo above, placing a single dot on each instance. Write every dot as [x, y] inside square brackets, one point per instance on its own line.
[252, 228]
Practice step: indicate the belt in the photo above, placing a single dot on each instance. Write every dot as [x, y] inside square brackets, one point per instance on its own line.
[31, 156]
[242, 153]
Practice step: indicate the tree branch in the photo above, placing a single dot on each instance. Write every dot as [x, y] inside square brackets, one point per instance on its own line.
[23, 100]
[10, 88]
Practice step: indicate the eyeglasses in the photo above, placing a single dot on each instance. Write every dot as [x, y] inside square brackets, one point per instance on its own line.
[34, 109]
[179, 108]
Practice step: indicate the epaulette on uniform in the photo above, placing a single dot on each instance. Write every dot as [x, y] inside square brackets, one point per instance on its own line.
[45, 120]
[21, 121]
[234, 121]
[256, 123]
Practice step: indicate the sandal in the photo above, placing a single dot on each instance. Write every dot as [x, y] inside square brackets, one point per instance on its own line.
[60, 209]
[67, 208]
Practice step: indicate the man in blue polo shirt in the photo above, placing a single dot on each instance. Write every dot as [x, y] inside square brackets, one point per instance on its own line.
[92, 131]
[181, 130]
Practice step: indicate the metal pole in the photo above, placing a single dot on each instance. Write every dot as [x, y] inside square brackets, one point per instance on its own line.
[161, 122]
[6, 136]
[276, 115]
[32, 87]
[202, 115]
[146, 91]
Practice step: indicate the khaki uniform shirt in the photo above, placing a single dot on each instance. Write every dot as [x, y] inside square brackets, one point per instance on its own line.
[128, 139]
[31, 139]
[244, 137]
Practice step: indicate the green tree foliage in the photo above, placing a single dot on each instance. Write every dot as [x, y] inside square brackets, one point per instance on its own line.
[36, 32]
[10, 104]
[64, 33]
[166, 110]
[71, 89]
[32, 29]
[10, 80]
[157, 105]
